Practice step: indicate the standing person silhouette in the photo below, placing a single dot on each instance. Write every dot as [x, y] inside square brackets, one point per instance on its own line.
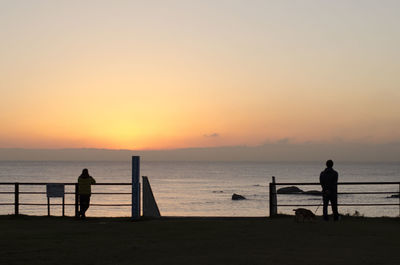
[329, 179]
[84, 190]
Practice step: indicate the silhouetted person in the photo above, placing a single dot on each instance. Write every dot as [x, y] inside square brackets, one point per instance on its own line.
[84, 190]
[329, 179]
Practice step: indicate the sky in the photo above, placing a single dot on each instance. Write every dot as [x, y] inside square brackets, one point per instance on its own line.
[151, 75]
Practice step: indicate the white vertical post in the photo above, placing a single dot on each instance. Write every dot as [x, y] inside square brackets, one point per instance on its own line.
[135, 187]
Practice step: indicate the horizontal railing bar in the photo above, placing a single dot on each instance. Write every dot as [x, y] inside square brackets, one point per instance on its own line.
[295, 205]
[361, 192]
[110, 204]
[7, 204]
[128, 193]
[113, 193]
[45, 204]
[34, 183]
[68, 204]
[344, 204]
[43, 192]
[370, 192]
[369, 204]
[339, 183]
[113, 184]
[74, 183]
[32, 192]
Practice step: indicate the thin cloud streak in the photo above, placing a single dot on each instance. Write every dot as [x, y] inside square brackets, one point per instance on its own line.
[213, 135]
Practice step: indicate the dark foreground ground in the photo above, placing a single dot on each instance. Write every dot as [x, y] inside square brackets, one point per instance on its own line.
[55, 240]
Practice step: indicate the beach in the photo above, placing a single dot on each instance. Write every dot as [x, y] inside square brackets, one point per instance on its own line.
[198, 240]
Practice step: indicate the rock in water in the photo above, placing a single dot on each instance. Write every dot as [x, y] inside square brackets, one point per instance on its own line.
[289, 190]
[238, 197]
[313, 192]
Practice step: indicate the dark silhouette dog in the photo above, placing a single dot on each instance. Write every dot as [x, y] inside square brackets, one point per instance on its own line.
[302, 215]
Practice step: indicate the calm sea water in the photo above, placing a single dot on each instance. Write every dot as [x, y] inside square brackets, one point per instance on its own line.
[200, 188]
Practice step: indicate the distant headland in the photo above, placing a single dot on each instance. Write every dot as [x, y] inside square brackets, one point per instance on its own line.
[285, 152]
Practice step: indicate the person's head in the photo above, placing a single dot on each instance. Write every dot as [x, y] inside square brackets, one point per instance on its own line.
[329, 163]
[85, 172]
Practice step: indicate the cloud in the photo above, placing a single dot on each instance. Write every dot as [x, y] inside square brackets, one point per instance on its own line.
[283, 141]
[211, 135]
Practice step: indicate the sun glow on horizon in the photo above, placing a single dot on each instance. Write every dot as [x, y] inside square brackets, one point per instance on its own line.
[134, 76]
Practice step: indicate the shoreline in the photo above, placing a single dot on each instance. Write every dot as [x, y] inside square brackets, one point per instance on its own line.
[197, 218]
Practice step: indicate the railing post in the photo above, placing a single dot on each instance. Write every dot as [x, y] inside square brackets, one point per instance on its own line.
[135, 187]
[48, 206]
[76, 200]
[16, 198]
[273, 203]
[63, 206]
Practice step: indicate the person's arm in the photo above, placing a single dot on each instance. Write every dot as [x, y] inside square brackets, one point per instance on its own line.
[93, 181]
[321, 181]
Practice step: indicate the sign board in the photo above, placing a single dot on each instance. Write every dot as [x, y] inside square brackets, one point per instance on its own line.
[55, 190]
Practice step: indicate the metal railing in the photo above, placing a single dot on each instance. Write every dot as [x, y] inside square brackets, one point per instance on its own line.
[273, 200]
[17, 203]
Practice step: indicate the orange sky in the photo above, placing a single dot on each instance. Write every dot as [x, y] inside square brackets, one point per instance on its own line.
[158, 75]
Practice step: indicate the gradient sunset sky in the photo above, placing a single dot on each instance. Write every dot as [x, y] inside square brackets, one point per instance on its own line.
[175, 74]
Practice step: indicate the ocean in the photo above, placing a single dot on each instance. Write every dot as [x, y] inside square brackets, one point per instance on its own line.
[202, 188]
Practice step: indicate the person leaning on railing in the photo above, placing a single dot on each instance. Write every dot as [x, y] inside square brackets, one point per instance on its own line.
[85, 182]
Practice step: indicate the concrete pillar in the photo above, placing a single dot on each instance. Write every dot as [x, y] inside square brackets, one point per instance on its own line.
[135, 187]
